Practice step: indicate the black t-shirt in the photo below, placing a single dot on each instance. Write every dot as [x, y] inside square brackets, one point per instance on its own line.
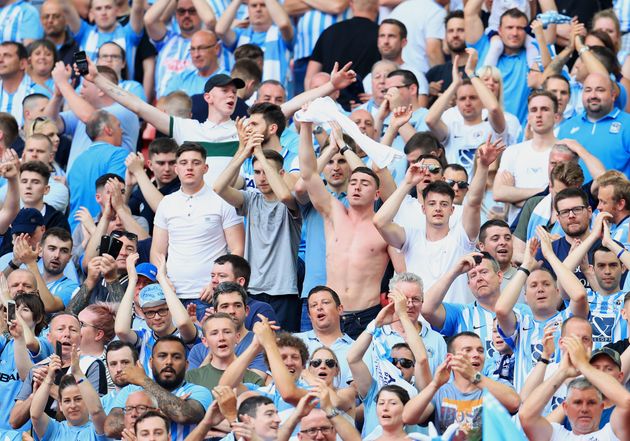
[443, 72]
[139, 206]
[350, 40]
[619, 346]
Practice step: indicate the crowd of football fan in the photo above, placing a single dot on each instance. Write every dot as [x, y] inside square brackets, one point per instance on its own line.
[269, 220]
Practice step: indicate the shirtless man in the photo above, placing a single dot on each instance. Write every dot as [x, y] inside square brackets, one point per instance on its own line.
[356, 255]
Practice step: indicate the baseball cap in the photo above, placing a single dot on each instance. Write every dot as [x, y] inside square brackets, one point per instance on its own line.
[151, 295]
[26, 221]
[147, 270]
[609, 352]
[221, 80]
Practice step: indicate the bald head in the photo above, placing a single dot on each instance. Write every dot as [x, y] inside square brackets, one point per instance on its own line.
[599, 95]
[364, 120]
[320, 79]
[21, 280]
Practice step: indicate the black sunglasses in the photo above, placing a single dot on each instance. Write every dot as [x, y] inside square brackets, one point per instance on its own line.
[461, 184]
[404, 362]
[330, 363]
[120, 233]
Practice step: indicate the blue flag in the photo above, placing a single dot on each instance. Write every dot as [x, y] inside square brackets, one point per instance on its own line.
[496, 422]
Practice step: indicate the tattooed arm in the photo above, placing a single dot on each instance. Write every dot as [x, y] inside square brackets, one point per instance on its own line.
[178, 410]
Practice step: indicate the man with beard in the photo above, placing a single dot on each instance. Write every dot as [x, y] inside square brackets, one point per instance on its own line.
[55, 289]
[440, 77]
[392, 38]
[462, 137]
[602, 128]
[118, 356]
[56, 30]
[574, 221]
[168, 364]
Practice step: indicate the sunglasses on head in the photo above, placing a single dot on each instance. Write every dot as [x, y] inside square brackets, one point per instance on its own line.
[404, 362]
[461, 184]
[329, 362]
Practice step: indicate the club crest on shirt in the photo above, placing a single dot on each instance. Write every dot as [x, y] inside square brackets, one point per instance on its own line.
[615, 127]
[574, 129]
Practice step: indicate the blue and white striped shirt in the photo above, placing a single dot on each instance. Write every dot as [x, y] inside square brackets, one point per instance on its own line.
[190, 81]
[608, 325]
[19, 21]
[622, 11]
[90, 39]
[526, 342]
[619, 232]
[173, 57]
[12, 102]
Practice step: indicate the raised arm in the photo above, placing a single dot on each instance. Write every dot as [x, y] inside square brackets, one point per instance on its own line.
[434, 116]
[153, 20]
[575, 257]
[29, 256]
[223, 184]
[89, 395]
[432, 308]
[122, 323]
[233, 375]
[488, 99]
[223, 28]
[281, 19]
[135, 166]
[472, 21]
[40, 397]
[361, 375]
[510, 294]
[73, 19]
[383, 219]
[566, 277]
[591, 62]
[282, 378]
[61, 74]
[339, 79]
[181, 319]
[276, 182]
[472, 204]
[150, 114]
[605, 383]
[136, 17]
[594, 166]
[420, 407]
[9, 170]
[319, 196]
[205, 13]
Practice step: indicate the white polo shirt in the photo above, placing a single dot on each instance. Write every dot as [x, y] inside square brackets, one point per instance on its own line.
[195, 225]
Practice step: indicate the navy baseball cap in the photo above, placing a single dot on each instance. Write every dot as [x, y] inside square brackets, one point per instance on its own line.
[608, 352]
[147, 270]
[221, 80]
[26, 221]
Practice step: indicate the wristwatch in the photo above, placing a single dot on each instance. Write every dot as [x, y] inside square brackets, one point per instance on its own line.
[318, 130]
[583, 49]
[13, 265]
[344, 149]
[333, 413]
[476, 378]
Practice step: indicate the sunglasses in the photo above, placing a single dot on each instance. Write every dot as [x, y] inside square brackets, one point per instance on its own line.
[404, 362]
[120, 233]
[330, 363]
[461, 184]
[433, 169]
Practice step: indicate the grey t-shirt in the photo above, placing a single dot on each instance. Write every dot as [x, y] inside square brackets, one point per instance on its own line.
[272, 238]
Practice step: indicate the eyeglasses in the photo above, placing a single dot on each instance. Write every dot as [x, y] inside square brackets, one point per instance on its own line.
[202, 48]
[405, 363]
[120, 233]
[161, 312]
[326, 430]
[83, 324]
[184, 11]
[463, 185]
[139, 409]
[329, 362]
[575, 210]
[110, 57]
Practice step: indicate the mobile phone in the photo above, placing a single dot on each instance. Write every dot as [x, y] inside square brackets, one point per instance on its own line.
[80, 59]
[10, 310]
[114, 247]
[58, 350]
[105, 244]
[478, 259]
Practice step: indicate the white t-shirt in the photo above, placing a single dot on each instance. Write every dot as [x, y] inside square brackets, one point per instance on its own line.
[431, 260]
[463, 140]
[423, 84]
[423, 19]
[562, 434]
[195, 225]
[410, 214]
[528, 166]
